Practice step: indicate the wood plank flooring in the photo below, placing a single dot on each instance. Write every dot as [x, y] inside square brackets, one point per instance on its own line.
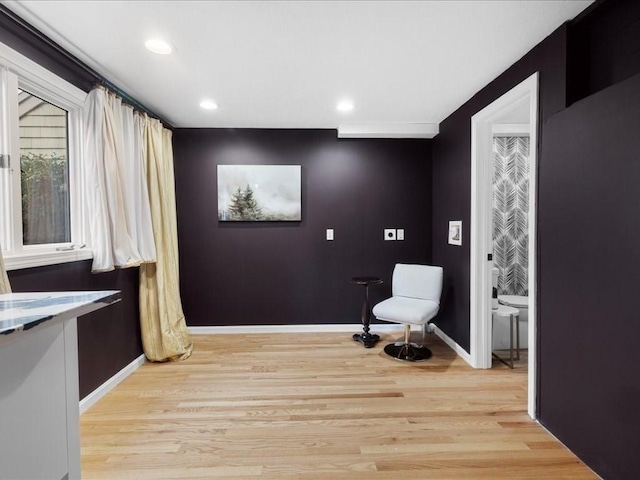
[318, 406]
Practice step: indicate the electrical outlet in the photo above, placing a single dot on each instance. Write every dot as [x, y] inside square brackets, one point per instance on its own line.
[329, 233]
[400, 234]
[389, 233]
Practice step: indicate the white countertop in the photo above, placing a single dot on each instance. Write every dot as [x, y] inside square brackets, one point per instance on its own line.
[23, 311]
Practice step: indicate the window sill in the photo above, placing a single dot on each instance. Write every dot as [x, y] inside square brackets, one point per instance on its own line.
[46, 257]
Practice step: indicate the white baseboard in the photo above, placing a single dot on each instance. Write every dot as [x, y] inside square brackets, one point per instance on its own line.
[103, 389]
[396, 328]
[343, 327]
[453, 345]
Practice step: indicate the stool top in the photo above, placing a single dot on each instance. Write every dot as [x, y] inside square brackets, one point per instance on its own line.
[505, 311]
[366, 280]
[518, 301]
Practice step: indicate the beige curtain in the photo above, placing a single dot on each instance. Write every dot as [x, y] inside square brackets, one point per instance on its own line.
[164, 330]
[5, 286]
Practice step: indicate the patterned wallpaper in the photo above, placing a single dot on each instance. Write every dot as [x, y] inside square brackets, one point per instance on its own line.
[510, 214]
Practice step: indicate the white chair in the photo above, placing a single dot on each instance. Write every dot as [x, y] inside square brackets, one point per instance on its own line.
[416, 291]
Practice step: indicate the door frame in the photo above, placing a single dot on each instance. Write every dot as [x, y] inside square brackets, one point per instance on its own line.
[481, 228]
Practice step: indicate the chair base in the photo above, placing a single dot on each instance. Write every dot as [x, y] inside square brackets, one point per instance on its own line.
[408, 352]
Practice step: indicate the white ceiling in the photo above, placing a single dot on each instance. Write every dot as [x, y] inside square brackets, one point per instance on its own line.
[286, 64]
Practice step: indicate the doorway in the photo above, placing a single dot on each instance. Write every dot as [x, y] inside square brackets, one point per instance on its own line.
[483, 124]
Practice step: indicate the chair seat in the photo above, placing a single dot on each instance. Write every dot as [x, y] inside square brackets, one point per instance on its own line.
[406, 310]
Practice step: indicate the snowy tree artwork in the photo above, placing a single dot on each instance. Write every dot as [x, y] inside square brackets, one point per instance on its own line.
[259, 193]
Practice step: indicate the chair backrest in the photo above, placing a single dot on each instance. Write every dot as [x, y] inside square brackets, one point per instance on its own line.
[417, 281]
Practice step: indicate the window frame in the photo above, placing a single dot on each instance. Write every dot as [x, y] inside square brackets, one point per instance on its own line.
[21, 72]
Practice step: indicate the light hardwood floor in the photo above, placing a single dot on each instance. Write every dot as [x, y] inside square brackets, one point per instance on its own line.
[318, 406]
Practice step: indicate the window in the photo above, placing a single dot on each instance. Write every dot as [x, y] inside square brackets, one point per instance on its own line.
[41, 220]
[44, 171]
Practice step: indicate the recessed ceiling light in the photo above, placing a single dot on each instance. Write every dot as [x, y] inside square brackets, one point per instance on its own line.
[345, 106]
[208, 105]
[159, 46]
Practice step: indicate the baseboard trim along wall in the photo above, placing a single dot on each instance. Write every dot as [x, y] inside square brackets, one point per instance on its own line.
[88, 401]
[462, 353]
[349, 328]
[248, 329]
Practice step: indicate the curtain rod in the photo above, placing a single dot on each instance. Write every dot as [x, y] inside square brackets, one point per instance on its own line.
[98, 79]
[131, 101]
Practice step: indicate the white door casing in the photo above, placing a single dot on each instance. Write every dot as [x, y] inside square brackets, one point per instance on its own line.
[481, 227]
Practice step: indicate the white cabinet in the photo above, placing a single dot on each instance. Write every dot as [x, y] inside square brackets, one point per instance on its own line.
[39, 404]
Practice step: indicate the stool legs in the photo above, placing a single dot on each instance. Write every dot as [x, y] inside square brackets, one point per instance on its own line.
[512, 357]
[518, 337]
[511, 341]
[407, 351]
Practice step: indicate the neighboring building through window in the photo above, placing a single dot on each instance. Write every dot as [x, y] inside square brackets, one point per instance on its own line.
[44, 171]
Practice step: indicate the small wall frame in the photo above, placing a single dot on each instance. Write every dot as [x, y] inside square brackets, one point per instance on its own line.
[455, 232]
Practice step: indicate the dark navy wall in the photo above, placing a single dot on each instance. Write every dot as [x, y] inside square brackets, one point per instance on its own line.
[589, 228]
[604, 47]
[286, 272]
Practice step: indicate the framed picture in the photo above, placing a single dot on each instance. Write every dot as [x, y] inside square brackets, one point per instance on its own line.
[455, 232]
[259, 193]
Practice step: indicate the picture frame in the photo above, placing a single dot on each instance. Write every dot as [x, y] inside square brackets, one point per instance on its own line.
[455, 232]
[259, 193]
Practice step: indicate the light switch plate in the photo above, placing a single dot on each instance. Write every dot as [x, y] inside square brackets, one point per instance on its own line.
[400, 234]
[329, 233]
[389, 233]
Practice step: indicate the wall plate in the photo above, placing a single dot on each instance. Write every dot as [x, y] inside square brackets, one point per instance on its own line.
[389, 233]
[400, 234]
[329, 233]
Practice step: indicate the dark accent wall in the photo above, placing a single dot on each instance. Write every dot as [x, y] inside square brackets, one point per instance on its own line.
[286, 272]
[108, 339]
[589, 229]
[452, 172]
[604, 47]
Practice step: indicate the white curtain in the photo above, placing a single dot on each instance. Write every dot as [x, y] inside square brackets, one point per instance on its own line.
[118, 209]
[140, 226]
